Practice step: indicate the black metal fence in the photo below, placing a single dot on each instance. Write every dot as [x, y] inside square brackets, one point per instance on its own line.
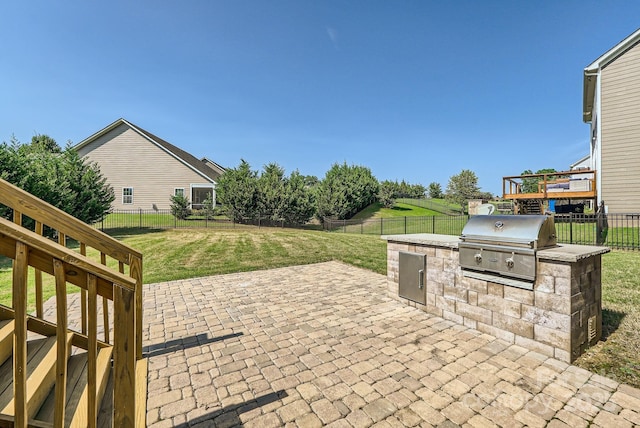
[163, 219]
[619, 231]
[444, 225]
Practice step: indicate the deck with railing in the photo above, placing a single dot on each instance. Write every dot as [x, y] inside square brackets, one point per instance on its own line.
[58, 376]
[578, 184]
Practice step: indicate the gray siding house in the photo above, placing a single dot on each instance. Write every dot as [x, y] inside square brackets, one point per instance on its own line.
[146, 170]
[611, 105]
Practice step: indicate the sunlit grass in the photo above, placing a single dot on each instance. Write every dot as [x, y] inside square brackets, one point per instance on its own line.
[617, 356]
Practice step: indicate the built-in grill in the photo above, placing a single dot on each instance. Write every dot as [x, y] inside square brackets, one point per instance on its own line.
[502, 248]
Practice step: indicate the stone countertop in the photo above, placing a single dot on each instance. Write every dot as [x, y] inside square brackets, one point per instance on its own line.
[561, 252]
[431, 239]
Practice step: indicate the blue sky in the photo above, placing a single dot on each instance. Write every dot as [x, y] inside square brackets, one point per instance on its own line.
[416, 90]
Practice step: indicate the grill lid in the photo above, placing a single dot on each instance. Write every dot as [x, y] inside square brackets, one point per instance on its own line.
[532, 231]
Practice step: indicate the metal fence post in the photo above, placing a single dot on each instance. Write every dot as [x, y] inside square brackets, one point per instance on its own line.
[433, 224]
[381, 226]
[139, 218]
[570, 228]
[405, 225]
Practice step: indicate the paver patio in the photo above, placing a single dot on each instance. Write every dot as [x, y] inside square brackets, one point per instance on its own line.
[323, 344]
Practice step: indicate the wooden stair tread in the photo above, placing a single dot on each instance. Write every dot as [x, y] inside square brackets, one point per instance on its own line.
[34, 348]
[77, 389]
[6, 339]
[40, 377]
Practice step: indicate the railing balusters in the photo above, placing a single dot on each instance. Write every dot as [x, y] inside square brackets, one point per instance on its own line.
[61, 339]
[105, 304]
[83, 297]
[20, 271]
[38, 278]
[64, 265]
[17, 217]
[92, 408]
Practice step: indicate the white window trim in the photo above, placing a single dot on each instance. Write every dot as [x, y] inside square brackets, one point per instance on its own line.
[123, 196]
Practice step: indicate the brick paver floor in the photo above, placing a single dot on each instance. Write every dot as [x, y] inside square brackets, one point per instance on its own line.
[316, 345]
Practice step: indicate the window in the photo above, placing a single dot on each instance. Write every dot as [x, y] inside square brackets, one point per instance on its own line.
[200, 193]
[127, 195]
[178, 191]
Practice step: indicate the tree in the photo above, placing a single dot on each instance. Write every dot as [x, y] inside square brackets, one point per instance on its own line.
[345, 190]
[417, 191]
[90, 194]
[435, 190]
[46, 143]
[462, 187]
[271, 192]
[298, 202]
[388, 193]
[310, 180]
[530, 184]
[180, 207]
[208, 206]
[237, 190]
[59, 177]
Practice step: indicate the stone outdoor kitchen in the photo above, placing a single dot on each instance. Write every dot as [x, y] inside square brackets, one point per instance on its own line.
[558, 314]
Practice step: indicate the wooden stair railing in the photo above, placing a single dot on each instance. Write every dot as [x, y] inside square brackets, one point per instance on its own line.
[29, 249]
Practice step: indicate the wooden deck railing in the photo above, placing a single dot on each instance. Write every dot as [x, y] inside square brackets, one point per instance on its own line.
[86, 268]
[578, 184]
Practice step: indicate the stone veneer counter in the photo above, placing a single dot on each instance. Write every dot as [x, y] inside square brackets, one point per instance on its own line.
[560, 317]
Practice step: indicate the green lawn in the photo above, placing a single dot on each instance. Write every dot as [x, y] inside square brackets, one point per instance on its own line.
[376, 210]
[617, 356]
[187, 253]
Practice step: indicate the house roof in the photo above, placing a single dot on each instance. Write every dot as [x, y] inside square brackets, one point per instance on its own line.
[581, 160]
[593, 70]
[212, 172]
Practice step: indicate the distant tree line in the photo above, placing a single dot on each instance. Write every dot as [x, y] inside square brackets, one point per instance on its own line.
[345, 190]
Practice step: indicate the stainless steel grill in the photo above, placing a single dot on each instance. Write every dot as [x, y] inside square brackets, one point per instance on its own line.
[502, 248]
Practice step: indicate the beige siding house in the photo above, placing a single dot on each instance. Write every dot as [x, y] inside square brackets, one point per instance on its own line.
[611, 105]
[145, 170]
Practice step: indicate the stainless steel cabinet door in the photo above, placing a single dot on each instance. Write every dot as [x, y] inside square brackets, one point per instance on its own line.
[412, 277]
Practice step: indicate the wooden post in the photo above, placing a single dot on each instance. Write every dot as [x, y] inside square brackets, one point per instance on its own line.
[92, 352]
[61, 342]
[124, 357]
[20, 270]
[135, 272]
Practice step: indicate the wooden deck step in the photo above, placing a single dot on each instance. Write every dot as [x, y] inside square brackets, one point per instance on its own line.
[6, 339]
[41, 365]
[77, 398]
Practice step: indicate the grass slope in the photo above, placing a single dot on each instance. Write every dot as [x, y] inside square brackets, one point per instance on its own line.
[376, 210]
